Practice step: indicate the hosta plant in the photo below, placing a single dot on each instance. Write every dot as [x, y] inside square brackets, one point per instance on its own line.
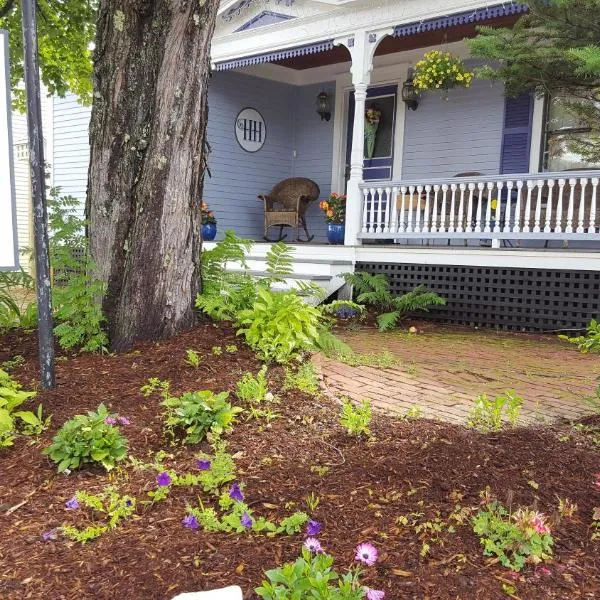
[193, 414]
[13, 421]
[280, 325]
[93, 438]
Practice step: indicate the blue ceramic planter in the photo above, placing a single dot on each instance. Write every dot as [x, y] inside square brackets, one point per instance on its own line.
[209, 231]
[335, 233]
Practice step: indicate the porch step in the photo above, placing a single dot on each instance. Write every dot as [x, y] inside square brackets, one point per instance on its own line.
[323, 265]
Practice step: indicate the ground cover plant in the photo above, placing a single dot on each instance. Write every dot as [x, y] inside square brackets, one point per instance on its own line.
[411, 489]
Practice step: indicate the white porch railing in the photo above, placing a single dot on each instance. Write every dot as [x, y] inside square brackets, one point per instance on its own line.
[540, 206]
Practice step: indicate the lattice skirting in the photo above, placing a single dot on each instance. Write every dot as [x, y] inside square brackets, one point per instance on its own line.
[503, 298]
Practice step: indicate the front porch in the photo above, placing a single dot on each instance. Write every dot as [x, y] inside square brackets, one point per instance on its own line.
[464, 169]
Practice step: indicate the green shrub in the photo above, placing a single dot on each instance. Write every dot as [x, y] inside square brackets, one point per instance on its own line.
[13, 421]
[487, 414]
[356, 419]
[586, 343]
[196, 413]
[88, 439]
[279, 325]
[513, 538]
[374, 290]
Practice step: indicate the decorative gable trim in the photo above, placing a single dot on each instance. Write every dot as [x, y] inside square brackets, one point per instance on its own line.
[266, 15]
[463, 18]
[275, 56]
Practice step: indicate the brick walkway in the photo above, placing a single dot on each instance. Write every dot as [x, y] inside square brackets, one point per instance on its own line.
[442, 371]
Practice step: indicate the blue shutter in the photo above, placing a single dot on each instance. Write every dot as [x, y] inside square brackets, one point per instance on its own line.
[516, 137]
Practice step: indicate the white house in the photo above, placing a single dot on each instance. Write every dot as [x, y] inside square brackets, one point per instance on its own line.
[460, 194]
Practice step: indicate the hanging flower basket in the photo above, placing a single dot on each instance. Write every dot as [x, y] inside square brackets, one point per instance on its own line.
[441, 70]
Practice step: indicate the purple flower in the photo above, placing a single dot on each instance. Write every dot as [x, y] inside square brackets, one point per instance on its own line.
[50, 535]
[313, 528]
[123, 421]
[246, 520]
[72, 504]
[191, 522]
[110, 421]
[163, 479]
[235, 493]
[128, 502]
[366, 553]
[374, 594]
[313, 545]
[203, 465]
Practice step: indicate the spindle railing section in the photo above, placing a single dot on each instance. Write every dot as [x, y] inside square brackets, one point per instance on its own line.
[541, 206]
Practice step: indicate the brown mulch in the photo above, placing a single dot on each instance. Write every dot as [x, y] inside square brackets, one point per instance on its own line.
[410, 467]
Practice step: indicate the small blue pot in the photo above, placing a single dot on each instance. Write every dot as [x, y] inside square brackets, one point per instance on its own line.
[209, 231]
[335, 233]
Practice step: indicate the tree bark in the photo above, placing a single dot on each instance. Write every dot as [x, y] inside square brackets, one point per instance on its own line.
[147, 136]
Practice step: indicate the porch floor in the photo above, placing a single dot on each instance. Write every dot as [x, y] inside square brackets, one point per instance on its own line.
[442, 371]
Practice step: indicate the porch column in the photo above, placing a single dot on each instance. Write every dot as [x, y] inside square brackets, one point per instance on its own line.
[362, 46]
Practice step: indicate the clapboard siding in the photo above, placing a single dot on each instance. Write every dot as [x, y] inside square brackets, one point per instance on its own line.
[22, 181]
[71, 154]
[463, 133]
[314, 149]
[22, 196]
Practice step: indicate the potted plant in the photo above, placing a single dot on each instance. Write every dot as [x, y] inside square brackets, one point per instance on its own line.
[441, 70]
[335, 213]
[209, 223]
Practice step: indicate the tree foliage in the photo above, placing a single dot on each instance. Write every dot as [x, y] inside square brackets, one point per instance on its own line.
[555, 49]
[65, 32]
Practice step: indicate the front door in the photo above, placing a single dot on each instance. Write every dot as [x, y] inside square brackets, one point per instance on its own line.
[380, 127]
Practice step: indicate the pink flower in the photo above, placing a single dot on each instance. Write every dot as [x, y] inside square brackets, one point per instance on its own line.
[374, 594]
[313, 545]
[538, 522]
[123, 421]
[366, 553]
[597, 482]
[513, 575]
[110, 421]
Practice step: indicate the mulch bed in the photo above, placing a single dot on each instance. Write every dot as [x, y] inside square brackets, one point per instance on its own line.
[417, 466]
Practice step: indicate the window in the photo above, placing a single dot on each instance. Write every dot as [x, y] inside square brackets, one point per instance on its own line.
[563, 134]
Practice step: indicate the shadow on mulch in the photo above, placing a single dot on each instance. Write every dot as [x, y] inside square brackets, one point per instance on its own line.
[410, 467]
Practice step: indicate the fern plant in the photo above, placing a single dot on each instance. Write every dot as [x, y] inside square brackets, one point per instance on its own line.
[589, 342]
[374, 290]
[76, 294]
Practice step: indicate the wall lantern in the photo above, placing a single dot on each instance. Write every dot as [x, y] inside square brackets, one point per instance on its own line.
[410, 95]
[323, 108]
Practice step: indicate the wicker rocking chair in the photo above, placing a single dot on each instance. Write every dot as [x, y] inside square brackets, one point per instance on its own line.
[286, 205]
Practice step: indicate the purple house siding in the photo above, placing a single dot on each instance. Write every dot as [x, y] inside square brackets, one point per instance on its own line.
[463, 133]
[239, 176]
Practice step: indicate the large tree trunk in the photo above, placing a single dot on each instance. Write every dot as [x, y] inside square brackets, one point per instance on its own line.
[147, 162]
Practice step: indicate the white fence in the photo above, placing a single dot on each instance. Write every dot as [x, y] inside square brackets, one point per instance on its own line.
[540, 206]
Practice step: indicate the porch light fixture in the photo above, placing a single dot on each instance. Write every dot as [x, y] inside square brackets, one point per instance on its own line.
[410, 95]
[323, 109]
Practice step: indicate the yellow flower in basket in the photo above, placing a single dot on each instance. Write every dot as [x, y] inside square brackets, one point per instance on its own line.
[494, 203]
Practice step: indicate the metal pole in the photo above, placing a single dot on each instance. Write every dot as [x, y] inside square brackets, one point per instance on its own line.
[38, 190]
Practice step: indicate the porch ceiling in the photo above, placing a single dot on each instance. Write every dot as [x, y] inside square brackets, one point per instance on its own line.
[392, 45]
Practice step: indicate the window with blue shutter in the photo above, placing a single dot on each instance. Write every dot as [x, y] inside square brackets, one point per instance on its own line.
[516, 136]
